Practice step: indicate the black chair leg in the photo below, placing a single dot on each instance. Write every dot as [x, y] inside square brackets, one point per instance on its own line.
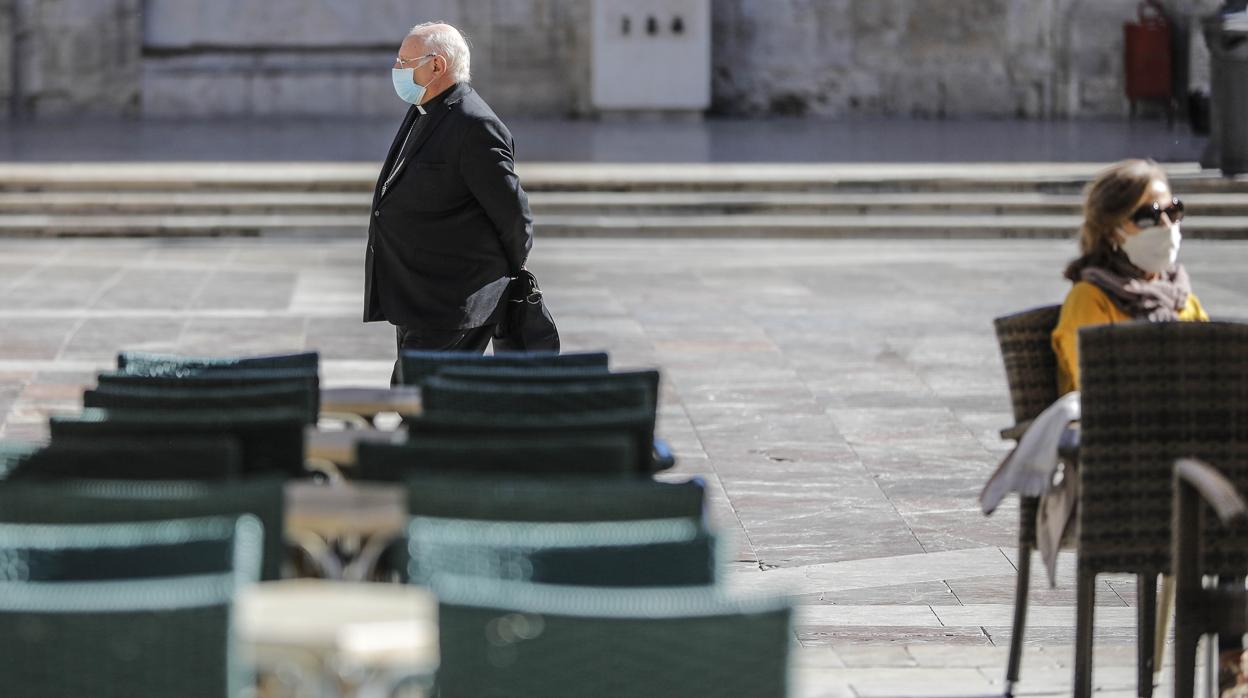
[1146, 631]
[1084, 617]
[1020, 617]
[1186, 639]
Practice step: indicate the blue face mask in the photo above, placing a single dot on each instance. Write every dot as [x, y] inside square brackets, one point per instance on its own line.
[404, 86]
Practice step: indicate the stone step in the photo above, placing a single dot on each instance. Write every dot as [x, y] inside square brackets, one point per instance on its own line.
[743, 225]
[360, 177]
[589, 203]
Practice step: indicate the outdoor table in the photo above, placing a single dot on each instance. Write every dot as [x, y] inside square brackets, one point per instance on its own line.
[320, 517]
[344, 636]
[370, 402]
[338, 447]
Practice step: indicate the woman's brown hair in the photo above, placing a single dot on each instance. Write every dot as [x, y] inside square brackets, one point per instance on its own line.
[1110, 198]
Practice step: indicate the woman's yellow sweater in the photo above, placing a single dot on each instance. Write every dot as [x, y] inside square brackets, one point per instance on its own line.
[1088, 305]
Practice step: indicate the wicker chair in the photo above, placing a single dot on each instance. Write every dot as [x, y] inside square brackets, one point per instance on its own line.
[416, 366]
[272, 439]
[1031, 372]
[95, 502]
[653, 553]
[1204, 501]
[621, 402]
[148, 364]
[169, 636]
[164, 397]
[98, 552]
[485, 452]
[207, 457]
[506, 638]
[1153, 393]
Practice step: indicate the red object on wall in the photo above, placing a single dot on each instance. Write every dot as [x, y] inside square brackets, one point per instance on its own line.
[1146, 54]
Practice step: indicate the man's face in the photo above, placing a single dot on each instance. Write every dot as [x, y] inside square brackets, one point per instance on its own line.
[413, 54]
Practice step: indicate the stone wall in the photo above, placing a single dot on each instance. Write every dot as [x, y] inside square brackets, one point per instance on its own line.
[317, 57]
[69, 57]
[817, 58]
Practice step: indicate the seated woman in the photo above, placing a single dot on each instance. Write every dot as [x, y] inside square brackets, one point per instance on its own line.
[1127, 269]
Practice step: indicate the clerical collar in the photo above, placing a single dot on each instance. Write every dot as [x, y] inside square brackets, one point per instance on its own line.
[428, 106]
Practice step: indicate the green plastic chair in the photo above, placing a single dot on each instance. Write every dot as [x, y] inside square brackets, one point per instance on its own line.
[307, 379]
[98, 552]
[491, 498]
[507, 638]
[158, 637]
[272, 439]
[150, 364]
[466, 453]
[416, 365]
[531, 396]
[113, 501]
[654, 553]
[207, 457]
[165, 397]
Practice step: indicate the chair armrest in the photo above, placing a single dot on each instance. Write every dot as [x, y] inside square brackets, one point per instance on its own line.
[662, 457]
[1213, 487]
[1016, 432]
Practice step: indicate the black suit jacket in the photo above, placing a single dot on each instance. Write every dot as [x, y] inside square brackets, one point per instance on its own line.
[453, 225]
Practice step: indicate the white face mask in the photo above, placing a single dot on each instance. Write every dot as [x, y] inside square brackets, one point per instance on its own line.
[1154, 249]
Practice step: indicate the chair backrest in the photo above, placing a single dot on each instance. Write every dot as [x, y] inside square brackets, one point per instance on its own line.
[165, 397]
[150, 364]
[655, 553]
[96, 501]
[1026, 346]
[416, 366]
[506, 638]
[272, 439]
[307, 379]
[565, 499]
[97, 552]
[1153, 393]
[522, 378]
[146, 638]
[604, 403]
[200, 457]
[486, 452]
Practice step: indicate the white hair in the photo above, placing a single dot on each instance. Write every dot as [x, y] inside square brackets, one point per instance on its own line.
[448, 42]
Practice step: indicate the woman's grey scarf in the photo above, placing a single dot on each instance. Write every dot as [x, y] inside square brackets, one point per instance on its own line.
[1155, 300]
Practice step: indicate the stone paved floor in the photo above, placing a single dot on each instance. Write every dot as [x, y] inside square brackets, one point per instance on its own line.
[841, 398]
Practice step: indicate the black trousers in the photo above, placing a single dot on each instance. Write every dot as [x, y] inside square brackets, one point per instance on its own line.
[474, 339]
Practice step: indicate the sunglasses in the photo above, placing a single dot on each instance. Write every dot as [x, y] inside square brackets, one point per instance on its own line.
[1150, 215]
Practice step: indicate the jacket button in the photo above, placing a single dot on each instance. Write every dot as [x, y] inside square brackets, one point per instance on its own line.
[376, 214]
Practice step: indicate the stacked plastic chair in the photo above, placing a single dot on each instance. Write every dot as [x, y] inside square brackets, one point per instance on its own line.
[124, 611]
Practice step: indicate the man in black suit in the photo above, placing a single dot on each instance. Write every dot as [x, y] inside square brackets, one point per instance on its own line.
[450, 223]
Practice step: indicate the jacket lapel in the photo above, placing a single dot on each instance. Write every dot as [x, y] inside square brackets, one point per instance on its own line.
[393, 153]
[432, 119]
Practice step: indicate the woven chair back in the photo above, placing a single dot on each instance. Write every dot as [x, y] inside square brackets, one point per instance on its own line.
[149, 364]
[99, 502]
[193, 457]
[98, 552]
[272, 438]
[654, 553]
[416, 366]
[1152, 393]
[505, 638]
[165, 397]
[1030, 364]
[564, 499]
[485, 452]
